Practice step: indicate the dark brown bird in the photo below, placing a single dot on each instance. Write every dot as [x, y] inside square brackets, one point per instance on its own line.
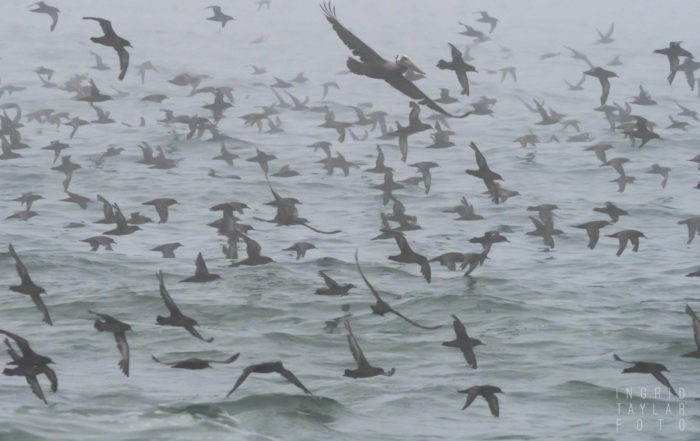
[201, 273]
[334, 288]
[118, 328]
[462, 341]
[484, 173]
[161, 206]
[176, 317]
[407, 255]
[195, 363]
[486, 391]
[364, 369]
[268, 368]
[382, 307]
[28, 287]
[645, 367]
[111, 39]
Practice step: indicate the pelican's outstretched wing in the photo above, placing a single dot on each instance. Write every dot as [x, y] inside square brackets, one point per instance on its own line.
[358, 47]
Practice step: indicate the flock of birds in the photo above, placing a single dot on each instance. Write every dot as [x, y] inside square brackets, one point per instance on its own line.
[401, 74]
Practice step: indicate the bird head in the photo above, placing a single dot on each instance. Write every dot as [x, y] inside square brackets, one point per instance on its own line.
[404, 61]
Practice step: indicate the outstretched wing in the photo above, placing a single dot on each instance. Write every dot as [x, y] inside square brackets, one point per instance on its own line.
[123, 347]
[36, 388]
[293, 379]
[169, 302]
[429, 328]
[123, 61]
[369, 285]
[406, 86]
[21, 269]
[492, 399]
[332, 284]
[200, 266]
[106, 25]
[247, 371]
[472, 393]
[355, 348]
[358, 47]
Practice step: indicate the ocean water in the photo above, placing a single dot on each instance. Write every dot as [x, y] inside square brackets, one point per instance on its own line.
[550, 319]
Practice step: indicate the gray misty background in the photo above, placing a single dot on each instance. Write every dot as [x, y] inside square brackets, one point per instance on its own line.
[551, 319]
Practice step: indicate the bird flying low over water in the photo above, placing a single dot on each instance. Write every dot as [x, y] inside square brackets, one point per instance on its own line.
[28, 287]
[646, 367]
[268, 368]
[364, 369]
[486, 391]
[374, 66]
[118, 328]
[382, 307]
[111, 39]
[195, 363]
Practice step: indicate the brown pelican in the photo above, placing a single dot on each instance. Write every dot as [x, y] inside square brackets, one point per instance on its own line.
[374, 66]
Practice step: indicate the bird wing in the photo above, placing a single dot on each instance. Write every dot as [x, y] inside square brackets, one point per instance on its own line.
[696, 325]
[469, 356]
[51, 375]
[355, 348]
[200, 266]
[406, 86]
[663, 380]
[430, 328]
[123, 347]
[163, 362]
[106, 207]
[231, 359]
[22, 344]
[461, 75]
[610, 31]
[169, 302]
[635, 243]
[36, 388]
[196, 334]
[460, 330]
[623, 243]
[252, 248]
[424, 266]
[106, 25]
[53, 13]
[40, 304]
[21, 269]
[247, 371]
[123, 61]
[369, 285]
[358, 47]
[403, 146]
[121, 220]
[480, 159]
[292, 379]
[332, 284]
[162, 210]
[492, 399]
[606, 90]
[472, 393]
[593, 236]
[401, 242]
